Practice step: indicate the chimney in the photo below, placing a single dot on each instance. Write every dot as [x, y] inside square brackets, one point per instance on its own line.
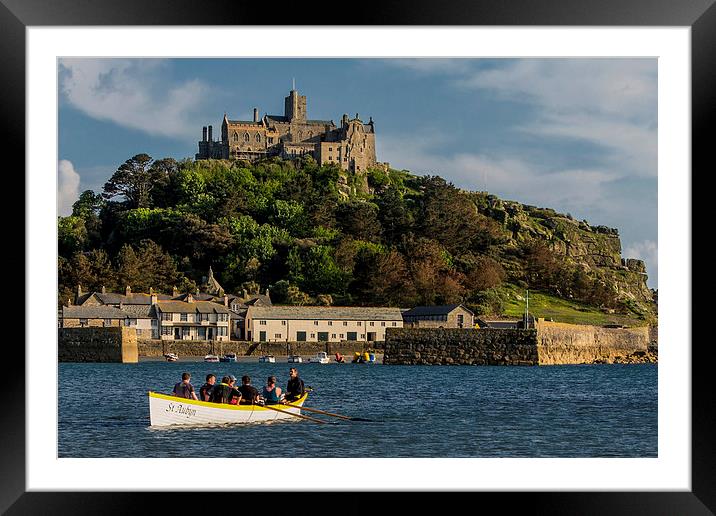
[211, 129]
[203, 134]
[267, 292]
[175, 292]
[153, 298]
[69, 301]
[197, 291]
[246, 294]
[344, 120]
[79, 290]
[189, 298]
[104, 291]
[256, 114]
[226, 300]
[151, 291]
[128, 291]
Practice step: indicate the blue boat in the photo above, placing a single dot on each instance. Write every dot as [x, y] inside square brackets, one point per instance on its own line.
[229, 357]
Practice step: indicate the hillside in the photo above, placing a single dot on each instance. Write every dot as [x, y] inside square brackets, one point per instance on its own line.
[316, 234]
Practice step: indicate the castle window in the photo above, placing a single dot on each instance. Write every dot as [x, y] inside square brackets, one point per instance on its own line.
[236, 137]
[258, 137]
[300, 134]
[246, 137]
[270, 140]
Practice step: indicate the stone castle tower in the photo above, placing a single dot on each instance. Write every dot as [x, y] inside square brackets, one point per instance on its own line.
[351, 146]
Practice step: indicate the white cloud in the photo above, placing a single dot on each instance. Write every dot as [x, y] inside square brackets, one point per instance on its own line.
[133, 93]
[68, 187]
[610, 103]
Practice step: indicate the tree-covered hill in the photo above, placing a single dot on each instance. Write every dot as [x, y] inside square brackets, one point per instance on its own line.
[313, 234]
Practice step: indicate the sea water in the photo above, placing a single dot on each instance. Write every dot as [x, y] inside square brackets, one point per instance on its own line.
[416, 411]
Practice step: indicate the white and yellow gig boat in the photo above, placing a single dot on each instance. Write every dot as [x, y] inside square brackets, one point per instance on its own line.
[166, 410]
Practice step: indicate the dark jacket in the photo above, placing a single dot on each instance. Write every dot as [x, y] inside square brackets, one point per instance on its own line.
[295, 389]
[223, 393]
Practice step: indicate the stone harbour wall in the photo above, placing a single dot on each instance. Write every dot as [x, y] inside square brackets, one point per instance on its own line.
[549, 344]
[196, 348]
[98, 344]
[448, 346]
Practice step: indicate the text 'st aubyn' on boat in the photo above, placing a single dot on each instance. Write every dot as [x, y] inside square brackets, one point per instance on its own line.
[166, 410]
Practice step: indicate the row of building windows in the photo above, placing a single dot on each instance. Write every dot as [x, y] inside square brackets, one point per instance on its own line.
[313, 336]
[247, 138]
[195, 317]
[221, 331]
[330, 323]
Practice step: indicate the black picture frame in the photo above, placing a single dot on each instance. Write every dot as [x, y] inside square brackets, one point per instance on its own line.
[699, 15]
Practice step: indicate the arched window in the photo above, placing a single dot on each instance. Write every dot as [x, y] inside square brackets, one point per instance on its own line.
[246, 137]
[300, 135]
[236, 137]
[310, 134]
[258, 137]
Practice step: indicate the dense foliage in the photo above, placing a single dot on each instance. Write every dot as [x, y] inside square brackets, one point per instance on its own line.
[288, 226]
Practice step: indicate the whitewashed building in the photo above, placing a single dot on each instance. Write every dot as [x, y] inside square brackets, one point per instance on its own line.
[320, 323]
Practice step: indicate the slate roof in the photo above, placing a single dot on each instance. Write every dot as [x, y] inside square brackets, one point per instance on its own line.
[202, 307]
[324, 313]
[93, 312]
[432, 310]
[112, 298]
[139, 311]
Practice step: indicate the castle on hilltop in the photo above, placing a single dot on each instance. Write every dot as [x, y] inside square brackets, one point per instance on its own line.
[351, 146]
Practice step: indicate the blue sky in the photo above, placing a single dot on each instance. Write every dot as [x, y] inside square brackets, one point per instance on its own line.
[576, 135]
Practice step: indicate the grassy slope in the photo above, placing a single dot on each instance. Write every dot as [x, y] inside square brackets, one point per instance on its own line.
[562, 310]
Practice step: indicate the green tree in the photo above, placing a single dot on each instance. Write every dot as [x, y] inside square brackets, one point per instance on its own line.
[133, 181]
[71, 235]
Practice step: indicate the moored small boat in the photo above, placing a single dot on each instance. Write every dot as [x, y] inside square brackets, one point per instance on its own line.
[211, 358]
[267, 358]
[229, 357]
[166, 410]
[171, 357]
[321, 357]
[295, 359]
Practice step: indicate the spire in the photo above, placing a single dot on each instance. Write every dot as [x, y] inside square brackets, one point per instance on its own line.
[294, 85]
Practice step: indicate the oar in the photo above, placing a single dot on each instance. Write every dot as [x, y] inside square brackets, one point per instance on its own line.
[331, 414]
[296, 415]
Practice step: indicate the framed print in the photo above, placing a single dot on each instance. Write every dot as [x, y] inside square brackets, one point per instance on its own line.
[488, 96]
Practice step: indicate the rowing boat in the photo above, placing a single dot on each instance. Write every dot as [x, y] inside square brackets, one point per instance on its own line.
[166, 410]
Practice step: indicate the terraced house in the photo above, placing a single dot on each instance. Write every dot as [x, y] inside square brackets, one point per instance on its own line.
[192, 320]
[320, 323]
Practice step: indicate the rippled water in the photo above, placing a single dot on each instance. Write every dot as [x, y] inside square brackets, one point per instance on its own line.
[419, 411]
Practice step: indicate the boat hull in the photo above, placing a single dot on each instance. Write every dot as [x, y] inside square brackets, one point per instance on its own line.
[165, 410]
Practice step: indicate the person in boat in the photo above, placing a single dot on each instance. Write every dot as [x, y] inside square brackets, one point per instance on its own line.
[295, 388]
[225, 392]
[339, 357]
[185, 389]
[271, 393]
[249, 393]
[205, 391]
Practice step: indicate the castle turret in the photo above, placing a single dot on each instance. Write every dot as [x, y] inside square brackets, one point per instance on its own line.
[256, 114]
[295, 107]
[211, 130]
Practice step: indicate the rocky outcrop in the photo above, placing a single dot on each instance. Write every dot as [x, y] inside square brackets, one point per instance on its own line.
[560, 343]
